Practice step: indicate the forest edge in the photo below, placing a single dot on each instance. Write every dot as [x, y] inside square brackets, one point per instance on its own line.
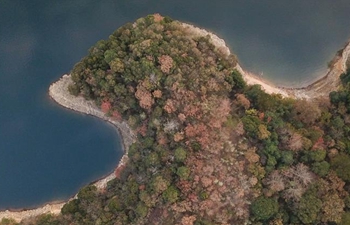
[58, 91]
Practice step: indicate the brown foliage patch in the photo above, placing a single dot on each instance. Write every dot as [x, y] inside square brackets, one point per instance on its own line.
[116, 115]
[251, 156]
[106, 106]
[166, 63]
[188, 220]
[181, 117]
[119, 170]
[295, 143]
[157, 17]
[157, 93]
[178, 136]
[145, 98]
[169, 106]
[161, 138]
[142, 129]
[242, 101]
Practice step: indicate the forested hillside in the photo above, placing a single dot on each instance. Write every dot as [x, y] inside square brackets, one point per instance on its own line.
[210, 149]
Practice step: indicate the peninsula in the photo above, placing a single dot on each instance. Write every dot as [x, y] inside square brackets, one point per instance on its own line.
[205, 141]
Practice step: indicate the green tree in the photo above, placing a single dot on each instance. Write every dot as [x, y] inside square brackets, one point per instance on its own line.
[183, 172]
[309, 207]
[264, 208]
[117, 65]
[253, 92]
[251, 124]
[87, 193]
[153, 159]
[345, 77]
[73, 89]
[71, 207]
[320, 168]
[341, 165]
[147, 142]
[345, 220]
[314, 155]
[116, 204]
[287, 158]
[180, 154]
[237, 81]
[171, 194]
[110, 55]
[6, 221]
[141, 210]
[337, 122]
[159, 184]
[47, 219]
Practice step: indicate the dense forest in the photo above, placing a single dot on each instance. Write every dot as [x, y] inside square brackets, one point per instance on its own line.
[210, 149]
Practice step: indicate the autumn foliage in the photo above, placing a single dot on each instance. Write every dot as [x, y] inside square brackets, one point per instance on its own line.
[209, 149]
[166, 63]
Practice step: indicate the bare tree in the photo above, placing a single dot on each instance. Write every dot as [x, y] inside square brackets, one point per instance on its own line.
[294, 192]
[303, 174]
[275, 181]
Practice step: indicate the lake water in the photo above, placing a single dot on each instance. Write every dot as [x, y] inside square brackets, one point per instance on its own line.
[47, 152]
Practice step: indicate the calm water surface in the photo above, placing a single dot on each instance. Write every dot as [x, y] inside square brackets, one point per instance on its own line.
[48, 153]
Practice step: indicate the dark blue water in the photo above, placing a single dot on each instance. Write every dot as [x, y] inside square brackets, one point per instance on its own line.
[48, 153]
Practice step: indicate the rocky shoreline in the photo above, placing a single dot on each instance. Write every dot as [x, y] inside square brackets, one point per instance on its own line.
[319, 88]
[328, 83]
[59, 93]
[249, 78]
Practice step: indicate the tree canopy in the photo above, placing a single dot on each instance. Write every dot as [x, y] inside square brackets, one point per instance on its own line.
[210, 148]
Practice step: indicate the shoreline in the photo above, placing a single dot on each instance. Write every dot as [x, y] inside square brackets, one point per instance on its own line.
[58, 91]
[248, 77]
[318, 88]
[322, 86]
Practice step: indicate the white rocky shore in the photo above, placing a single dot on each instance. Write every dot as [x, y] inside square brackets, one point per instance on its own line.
[327, 83]
[249, 78]
[320, 88]
[59, 92]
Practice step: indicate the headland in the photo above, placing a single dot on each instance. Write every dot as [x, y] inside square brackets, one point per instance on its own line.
[58, 91]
